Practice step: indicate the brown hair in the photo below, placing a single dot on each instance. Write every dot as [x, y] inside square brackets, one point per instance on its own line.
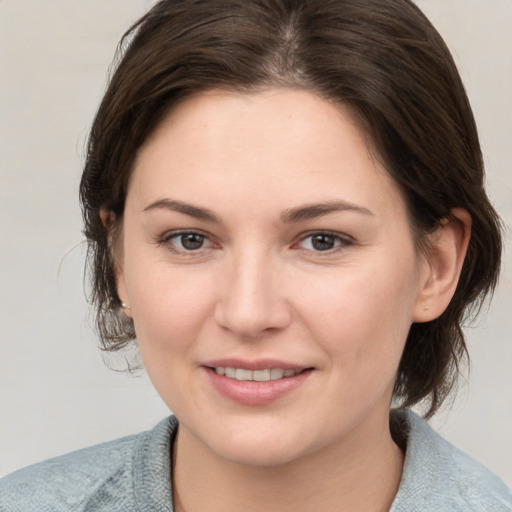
[382, 58]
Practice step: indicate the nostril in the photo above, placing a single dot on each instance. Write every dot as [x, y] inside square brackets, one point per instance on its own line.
[251, 320]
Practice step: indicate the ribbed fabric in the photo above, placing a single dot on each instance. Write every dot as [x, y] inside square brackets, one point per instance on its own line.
[133, 474]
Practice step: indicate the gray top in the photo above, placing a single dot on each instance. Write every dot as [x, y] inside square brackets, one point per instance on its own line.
[132, 474]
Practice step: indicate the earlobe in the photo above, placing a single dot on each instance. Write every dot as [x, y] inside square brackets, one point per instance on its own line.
[126, 309]
[449, 243]
[122, 293]
[108, 220]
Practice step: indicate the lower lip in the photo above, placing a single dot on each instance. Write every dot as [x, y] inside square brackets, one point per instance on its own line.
[249, 392]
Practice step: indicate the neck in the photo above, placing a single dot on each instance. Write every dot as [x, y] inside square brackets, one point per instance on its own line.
[361, 474]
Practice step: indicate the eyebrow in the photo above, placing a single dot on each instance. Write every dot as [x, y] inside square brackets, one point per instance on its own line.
[313, 211]
[187, 209]
[289, 216]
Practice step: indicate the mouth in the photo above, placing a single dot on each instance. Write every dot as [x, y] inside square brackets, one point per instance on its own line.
[256, 383]
[265, 375]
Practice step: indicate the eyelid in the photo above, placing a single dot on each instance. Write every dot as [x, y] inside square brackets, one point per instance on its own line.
[165, 240]
[343, 239]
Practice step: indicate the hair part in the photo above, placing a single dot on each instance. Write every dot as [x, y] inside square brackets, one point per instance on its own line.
[381, 58]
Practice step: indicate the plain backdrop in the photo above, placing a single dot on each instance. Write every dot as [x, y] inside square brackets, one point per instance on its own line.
[56, 394]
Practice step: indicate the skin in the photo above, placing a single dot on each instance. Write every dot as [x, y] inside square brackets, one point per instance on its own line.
[257, 288]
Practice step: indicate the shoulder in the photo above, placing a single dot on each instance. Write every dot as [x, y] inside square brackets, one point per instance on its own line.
[98, 478]
[68, 482]
[438, 476]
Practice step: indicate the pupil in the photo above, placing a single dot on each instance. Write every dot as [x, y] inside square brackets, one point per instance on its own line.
[192, 241]
[323, 242]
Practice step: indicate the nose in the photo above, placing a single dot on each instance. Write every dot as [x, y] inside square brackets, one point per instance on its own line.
[251, 300]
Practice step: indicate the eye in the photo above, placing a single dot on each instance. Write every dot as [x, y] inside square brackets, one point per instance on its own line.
[323, 242]
[186, 241]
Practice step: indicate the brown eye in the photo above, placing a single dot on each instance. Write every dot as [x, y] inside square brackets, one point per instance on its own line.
[323, 242]
[186, 241]
[191, 241]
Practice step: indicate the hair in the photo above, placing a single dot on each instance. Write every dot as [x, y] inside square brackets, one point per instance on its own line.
[381, 58]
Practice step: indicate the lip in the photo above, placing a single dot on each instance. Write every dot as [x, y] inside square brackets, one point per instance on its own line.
[255, 393]
[260, 364]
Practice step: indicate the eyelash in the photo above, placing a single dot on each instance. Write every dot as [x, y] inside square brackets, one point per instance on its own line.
[167, 241]
[340, 241]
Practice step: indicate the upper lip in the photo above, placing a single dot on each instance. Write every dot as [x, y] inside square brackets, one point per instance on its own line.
[258, 364]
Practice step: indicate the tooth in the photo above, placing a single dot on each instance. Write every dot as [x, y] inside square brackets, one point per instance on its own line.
[276, 373]
[256, 375]
[242, 374]
[261, 375]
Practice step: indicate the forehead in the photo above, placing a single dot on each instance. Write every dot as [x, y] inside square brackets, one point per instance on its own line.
[285, 144]
[252, 118]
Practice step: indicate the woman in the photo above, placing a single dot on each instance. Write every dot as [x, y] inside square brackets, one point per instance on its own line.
[284, 205]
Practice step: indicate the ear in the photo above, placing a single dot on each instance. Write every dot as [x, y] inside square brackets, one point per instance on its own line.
[107, 219]
[115, 245]
[449, 244]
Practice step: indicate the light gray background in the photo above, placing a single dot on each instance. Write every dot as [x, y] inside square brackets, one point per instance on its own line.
[56, 394]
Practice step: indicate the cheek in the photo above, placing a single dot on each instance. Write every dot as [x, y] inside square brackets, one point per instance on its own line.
[169, 308]
[362, 318]
[170, 313]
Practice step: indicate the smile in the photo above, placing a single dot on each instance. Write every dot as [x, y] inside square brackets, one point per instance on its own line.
[255, 383]
[255, 375]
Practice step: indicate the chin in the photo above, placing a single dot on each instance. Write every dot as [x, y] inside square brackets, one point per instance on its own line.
[253, 443]
[260, 452]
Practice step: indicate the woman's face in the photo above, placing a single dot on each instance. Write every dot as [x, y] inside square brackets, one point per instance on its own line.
[262, 241]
